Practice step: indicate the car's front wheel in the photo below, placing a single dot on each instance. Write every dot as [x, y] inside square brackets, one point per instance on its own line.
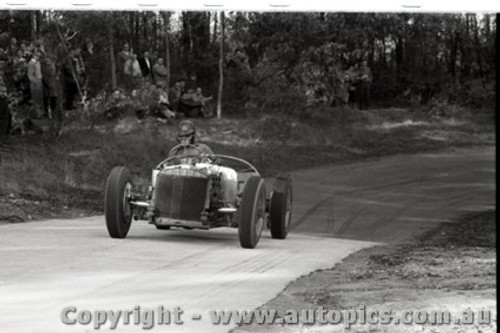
[252, 212]
[116, 202]
[280, 210]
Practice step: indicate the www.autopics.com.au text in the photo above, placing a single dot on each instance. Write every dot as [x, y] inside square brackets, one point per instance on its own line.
[147, 318]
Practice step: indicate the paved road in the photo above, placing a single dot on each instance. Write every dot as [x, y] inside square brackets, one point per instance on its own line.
[338, 210]
[391, 199]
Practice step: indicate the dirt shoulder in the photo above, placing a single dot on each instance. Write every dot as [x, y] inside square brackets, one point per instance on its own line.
[449, 268]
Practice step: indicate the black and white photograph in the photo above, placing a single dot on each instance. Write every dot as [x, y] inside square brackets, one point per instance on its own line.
[226, 170]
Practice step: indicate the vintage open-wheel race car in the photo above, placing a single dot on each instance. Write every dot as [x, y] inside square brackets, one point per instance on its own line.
[201, 192]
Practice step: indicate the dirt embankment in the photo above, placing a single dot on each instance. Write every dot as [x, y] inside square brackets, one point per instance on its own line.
[449, 268]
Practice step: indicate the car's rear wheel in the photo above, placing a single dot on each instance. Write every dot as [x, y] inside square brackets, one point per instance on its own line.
[252, 212]
[280, 209]
[116, 202]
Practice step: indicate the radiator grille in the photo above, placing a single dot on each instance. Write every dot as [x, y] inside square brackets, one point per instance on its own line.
[180, 196]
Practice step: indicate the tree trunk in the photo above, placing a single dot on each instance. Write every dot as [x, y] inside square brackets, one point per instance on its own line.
[145, 30]
[478, 46]
[214, 35]
[384, 50]
[167, 46]
[131, 31]
[221, 67]
[136, 33]
[111, 54]
[453, 54]
[33, 28]
[155, 34]
[39, 22]
[399, 55]
[187, 40]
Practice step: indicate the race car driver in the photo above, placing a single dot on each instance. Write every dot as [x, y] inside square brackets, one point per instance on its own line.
[187, 145]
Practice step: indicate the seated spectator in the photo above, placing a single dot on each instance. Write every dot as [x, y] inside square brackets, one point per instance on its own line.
[175, 94]
[160, 73]
[152, 100]
[163, 105]
[192, 103]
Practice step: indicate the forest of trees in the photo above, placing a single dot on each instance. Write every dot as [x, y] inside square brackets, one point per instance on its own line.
[295, 59]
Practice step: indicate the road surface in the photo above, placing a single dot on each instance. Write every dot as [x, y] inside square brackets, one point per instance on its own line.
[48, 266]
[393, 198]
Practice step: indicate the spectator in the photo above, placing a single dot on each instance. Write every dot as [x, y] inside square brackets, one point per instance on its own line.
[25, 51]
[175, 93]
[12, 50]
[79, 66]
[163, 105]
[5, 118]
[4, 59]
[121, 58]
[239, 61]
[365, 77]
[18, 58]
[35, 79]
[160, 73]
[202, 100]
[87, 55]
[145, 101]
[192, 103]
[192, 82]
[20, 77]
[198, 96]
[74, 73]
[355, 86]
[50, 87]
[133, 72]
[145, 64]
[87, 49]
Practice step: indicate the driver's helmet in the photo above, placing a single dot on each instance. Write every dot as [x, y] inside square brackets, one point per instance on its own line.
[186, 130]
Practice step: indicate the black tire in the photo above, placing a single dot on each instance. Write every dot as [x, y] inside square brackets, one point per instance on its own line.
[117, 209]
[252, 212]
[280, 208]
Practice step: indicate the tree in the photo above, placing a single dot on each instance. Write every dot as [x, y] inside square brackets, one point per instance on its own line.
[166, 17]
[221, 66]
[111, 53]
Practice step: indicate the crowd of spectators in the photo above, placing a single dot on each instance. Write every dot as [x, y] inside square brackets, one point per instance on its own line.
[146, 78]
[39, 83]
[353, 86]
